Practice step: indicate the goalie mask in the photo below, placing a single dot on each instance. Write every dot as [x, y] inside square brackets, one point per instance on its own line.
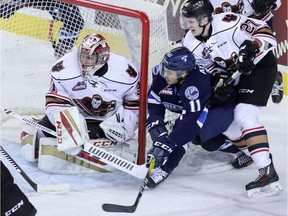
[178, 60]
[93, 53]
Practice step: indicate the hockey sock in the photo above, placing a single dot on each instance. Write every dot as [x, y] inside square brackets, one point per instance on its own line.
[260, 154]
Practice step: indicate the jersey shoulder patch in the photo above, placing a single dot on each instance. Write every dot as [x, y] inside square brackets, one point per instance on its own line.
[122, 70]
[191, 93]
[227, 20]
[66, 67]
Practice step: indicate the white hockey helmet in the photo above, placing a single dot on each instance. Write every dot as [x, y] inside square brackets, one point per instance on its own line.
[93, 53]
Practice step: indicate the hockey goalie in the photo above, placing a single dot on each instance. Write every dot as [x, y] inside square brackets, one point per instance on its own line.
[94, 94]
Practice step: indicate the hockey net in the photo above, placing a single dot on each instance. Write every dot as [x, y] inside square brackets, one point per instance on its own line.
[135, 29]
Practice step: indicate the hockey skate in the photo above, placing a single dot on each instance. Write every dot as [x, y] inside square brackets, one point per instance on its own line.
[242, 160]
[277, 90]
[266, 184]
[157, 176]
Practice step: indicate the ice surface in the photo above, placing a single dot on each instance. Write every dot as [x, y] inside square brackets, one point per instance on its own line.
[195, 188]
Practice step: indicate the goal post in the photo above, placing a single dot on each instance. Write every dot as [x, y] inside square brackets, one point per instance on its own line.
[136, 29]
[143, 66]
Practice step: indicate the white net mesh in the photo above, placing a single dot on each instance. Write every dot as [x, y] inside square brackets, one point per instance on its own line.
[29, 32]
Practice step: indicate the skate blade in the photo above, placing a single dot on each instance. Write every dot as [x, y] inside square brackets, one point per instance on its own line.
[269, 190]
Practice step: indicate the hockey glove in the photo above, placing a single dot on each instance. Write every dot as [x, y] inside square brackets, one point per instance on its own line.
[160, 150]
[247, 53]
[222, 92]
[262, 6]
[115, 131]
[219, 78]
[156, 128]
[222, 95]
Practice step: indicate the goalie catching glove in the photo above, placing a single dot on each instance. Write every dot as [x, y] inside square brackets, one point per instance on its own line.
[121, 126]
[160, 150]
[115, 131]
[247, 53]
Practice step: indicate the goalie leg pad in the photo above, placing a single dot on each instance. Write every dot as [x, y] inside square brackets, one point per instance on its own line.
[130, 150]
[28, 146]
[53, 161]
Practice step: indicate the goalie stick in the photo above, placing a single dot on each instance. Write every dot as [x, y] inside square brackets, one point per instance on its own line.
[97, 153]
[130, 209]
[55, 188]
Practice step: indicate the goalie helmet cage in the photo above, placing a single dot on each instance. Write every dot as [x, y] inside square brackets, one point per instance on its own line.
[135, 29]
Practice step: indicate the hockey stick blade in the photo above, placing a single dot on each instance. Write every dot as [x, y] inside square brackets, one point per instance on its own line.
[118, 208]
[53, 189]
[130, 209]
[40, 188]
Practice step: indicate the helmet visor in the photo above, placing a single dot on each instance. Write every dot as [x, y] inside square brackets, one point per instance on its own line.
[164, 69]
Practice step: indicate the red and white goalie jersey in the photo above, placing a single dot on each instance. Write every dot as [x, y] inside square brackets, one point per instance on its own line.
[98, 97]
[229, 31]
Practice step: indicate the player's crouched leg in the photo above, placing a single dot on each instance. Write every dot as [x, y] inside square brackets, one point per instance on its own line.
[222, 143]
[13, 200]
[160, 174]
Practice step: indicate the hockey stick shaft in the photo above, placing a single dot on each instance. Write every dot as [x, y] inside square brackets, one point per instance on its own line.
[30, 122]
[59, 188]
[234, 76]
[115, 161]
[130, 209]
[18, 168]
